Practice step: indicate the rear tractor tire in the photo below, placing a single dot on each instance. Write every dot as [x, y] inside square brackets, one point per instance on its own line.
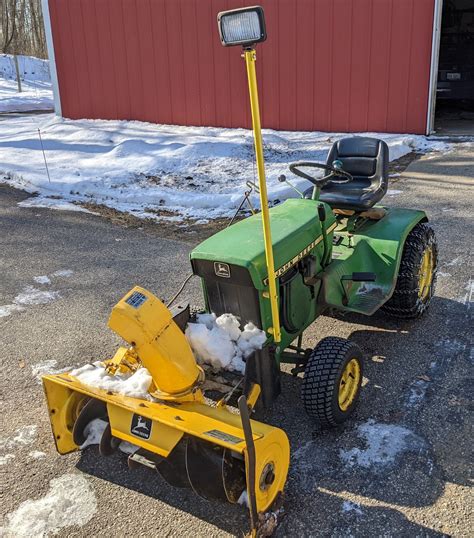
[416, 279]
[332, 380]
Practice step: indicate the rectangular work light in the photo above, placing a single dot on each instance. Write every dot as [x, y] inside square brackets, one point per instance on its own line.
[244, 26]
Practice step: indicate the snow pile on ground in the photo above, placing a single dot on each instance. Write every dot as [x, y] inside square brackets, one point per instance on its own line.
[220, 342]
[135, 385]
[69, 501]
[143, 168]
[352, 507]
[36, 85]
[384, 442]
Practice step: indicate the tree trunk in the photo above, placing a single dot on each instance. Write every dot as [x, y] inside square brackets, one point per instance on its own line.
[17, 69]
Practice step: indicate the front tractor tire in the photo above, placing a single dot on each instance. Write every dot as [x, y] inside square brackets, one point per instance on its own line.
[416, 280]
[332, 380]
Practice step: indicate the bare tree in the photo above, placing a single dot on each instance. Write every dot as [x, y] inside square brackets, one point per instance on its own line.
[22, 28]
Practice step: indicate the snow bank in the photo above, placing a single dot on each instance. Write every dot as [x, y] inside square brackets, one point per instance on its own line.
[37, 93]
[143, 168]
[31, 68]
[220, 342]
[135, 385]
[69, 501]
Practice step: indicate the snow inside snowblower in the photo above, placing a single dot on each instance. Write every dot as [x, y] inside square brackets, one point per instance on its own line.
[265, 279]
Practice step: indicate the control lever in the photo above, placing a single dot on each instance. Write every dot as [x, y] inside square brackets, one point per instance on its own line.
[282, 179]
[322, 220]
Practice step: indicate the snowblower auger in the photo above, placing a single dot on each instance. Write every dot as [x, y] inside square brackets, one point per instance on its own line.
[217, 453]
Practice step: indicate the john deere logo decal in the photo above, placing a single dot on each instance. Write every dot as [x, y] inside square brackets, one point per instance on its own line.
[141, 426]
[222, 269]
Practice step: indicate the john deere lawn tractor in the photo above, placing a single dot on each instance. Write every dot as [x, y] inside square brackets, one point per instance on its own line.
[335, 247]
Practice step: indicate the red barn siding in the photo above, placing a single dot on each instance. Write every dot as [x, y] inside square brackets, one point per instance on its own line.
[331, 65]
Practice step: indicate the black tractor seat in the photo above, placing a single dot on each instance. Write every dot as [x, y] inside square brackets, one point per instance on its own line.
[366, 159]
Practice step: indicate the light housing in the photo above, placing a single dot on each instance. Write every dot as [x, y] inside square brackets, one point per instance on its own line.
[243, 26]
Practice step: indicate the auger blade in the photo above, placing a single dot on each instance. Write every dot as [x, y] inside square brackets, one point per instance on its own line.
[92, 409]
[108, 444]
[173, 468]
[212, 472]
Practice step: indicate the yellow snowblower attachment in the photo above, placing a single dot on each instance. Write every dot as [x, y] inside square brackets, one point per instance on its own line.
[216, 452]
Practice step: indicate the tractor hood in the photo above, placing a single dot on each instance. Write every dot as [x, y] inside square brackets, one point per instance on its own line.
[295, 230]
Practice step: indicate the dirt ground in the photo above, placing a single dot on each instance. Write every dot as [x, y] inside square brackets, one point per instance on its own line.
[400, 467]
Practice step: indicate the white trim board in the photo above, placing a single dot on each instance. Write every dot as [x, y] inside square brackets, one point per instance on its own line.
[430, 115]
[52, 59]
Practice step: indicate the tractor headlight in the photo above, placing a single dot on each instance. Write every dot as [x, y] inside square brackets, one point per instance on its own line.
[245, 26]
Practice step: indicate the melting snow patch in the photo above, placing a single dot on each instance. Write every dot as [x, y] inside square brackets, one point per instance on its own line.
[47, 367]
[384, 442]
[31, 295]
[42, 279]
[417, 393]
[466, 299]
[53, 203]
[135, 385]
[22, 436]
[220, 342]
[6, 458]
[8, 309]
[63, 272]
[456, 261]
[443, 275]
[37, 454]
[69, 501]
[351, 507]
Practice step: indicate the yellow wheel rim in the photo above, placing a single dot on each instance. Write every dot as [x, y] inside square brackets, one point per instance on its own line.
[425, 274]
[349, 384]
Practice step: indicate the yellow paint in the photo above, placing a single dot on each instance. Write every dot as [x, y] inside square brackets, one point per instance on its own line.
[425, 274]
[253, 395]
[349, 384]
[250, 58]
[65, 395]
[160, 345]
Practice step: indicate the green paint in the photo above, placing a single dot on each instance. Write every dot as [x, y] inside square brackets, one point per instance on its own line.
[372, 246]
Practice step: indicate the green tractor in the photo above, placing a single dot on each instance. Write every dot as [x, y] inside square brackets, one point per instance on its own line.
[333, 248]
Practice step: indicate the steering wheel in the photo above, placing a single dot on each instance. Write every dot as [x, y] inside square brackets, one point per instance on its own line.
[336, 173]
